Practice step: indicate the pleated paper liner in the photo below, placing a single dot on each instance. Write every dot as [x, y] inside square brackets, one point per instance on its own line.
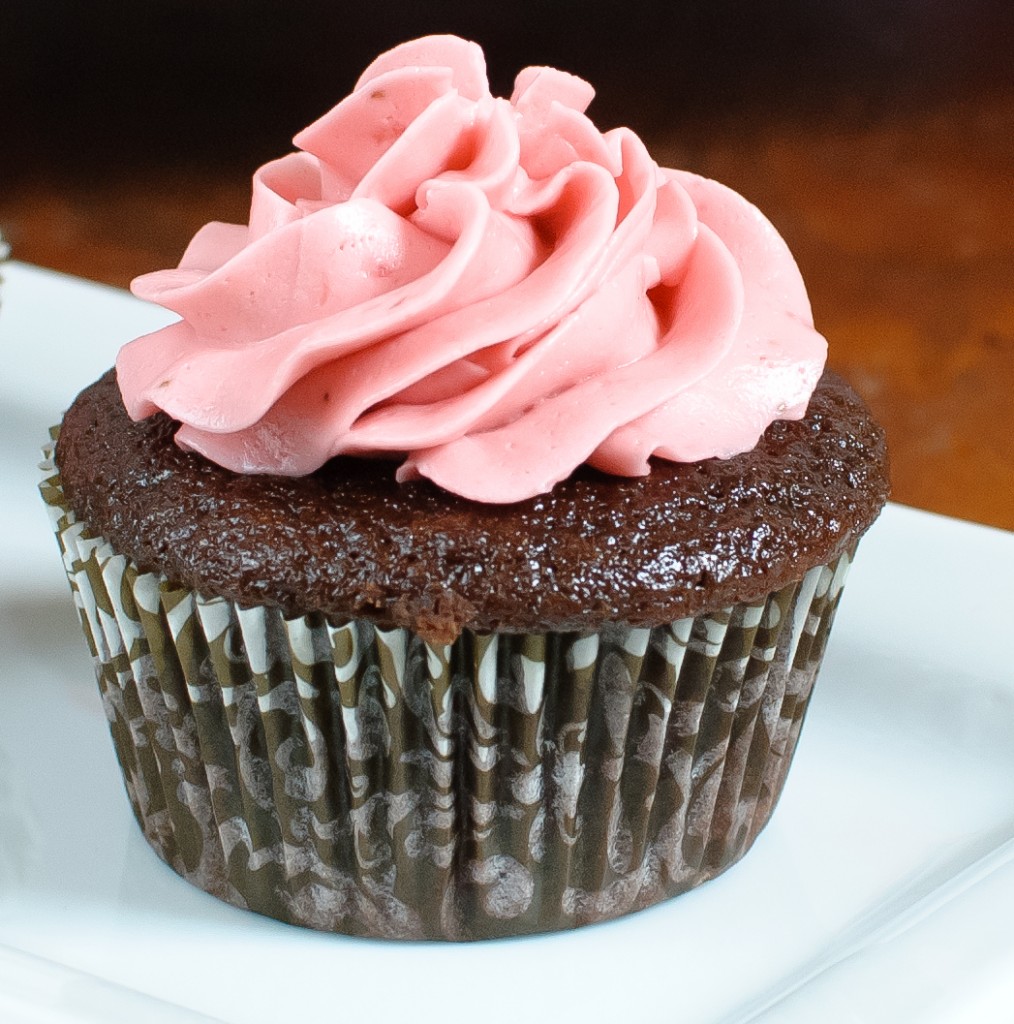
[357, 779]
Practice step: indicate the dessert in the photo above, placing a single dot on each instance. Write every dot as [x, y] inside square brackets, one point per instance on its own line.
[461, 562]
[4, 253]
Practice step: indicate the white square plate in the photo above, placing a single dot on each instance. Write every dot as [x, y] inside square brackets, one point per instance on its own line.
[882, 890]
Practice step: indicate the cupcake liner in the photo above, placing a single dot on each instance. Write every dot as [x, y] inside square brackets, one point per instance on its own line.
[355, 778]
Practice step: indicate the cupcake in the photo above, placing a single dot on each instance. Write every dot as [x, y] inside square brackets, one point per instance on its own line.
[460, 564]
[5, 251]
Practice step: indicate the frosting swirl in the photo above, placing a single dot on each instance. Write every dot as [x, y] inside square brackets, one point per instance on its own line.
[491, 288]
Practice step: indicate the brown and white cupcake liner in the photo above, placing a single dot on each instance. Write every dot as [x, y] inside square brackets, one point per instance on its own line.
[357, 779]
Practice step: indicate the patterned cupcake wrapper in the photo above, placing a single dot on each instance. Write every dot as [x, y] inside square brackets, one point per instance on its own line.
[358, 779]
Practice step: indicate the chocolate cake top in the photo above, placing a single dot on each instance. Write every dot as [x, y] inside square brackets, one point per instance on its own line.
[349, 541]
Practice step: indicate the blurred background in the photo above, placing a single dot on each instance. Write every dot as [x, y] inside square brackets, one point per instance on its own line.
[878, 136]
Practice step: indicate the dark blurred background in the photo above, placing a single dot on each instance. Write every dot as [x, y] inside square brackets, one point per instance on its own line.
[878, 136]
[113, 81]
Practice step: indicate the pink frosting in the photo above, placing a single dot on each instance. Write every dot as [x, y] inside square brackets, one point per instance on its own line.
[492, 289]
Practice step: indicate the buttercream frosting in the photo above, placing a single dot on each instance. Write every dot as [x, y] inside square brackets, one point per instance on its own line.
[491, 290]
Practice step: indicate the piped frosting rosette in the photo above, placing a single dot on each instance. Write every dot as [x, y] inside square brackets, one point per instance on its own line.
[492, 289]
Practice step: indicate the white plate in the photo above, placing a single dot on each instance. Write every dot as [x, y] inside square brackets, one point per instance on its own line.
[882, 890]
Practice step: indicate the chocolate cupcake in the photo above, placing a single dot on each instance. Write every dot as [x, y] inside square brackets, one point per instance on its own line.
[461, 563]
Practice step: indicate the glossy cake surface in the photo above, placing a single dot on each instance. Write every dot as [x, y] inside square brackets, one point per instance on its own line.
[350, 541]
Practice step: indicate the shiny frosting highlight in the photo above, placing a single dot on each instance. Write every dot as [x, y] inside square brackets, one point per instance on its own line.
[491, 289]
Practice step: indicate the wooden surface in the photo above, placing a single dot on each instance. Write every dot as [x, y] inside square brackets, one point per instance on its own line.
[904, 230]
